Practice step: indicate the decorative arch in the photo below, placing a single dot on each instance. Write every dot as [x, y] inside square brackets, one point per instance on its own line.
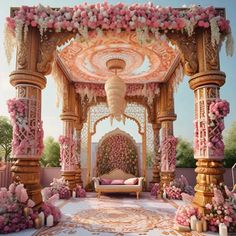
[117, 150]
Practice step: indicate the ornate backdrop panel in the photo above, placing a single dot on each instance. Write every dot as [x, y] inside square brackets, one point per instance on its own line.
[117, 150]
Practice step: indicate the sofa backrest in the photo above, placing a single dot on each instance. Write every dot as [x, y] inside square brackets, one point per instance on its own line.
[117, 174]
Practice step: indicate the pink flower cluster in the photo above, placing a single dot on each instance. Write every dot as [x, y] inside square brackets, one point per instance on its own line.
[173, 192]
[220, 211]
[49, 209]
[12, 204]
[80, 192]
[217, 111]
[184, 213]
[115, 17]
[155, 190]
[175, 189]
[22, 143]
[59, 186]
[117, 151]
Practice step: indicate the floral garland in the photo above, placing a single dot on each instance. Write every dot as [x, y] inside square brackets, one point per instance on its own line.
[168, 153]
[146, 19]
[17, 109]
[16, 211]
[92, 91]
[117, 151]
[217, 111]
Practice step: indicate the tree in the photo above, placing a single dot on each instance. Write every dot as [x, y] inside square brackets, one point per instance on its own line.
[230, 146]
[185, 154]
[51, 153]
[5, 137]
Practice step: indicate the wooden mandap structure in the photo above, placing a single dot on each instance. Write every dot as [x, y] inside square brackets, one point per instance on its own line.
[151, 48]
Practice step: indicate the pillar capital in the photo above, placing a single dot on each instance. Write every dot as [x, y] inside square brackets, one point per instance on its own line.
[156, 126]
[214, 77]
[27, 77]
[68, 116]
[166, 116]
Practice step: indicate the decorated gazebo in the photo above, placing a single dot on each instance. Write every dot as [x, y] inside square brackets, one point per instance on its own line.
[130, 58]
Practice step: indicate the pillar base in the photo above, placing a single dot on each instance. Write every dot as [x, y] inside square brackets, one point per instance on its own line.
[167, 177]
[78, 179]
[209, 172]
[27, 172]
[70, 177]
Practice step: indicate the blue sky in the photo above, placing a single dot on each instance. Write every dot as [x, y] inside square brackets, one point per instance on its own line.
[183, 126]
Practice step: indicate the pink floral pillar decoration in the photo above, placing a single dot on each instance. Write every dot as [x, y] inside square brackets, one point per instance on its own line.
[168, 153]
[209, 123]
[25, 113]
[67, 152]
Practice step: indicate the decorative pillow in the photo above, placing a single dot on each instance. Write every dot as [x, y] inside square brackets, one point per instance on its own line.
[117, 182]
[131, 181]
[105, 181]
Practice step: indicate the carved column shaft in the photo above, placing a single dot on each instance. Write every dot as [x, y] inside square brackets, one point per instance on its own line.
[208, 147]
[157, 155]
[27, 131]
[67, 143]
[78, 178]
[168, 144]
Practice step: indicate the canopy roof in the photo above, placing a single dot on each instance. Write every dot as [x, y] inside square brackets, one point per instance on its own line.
[86, 62]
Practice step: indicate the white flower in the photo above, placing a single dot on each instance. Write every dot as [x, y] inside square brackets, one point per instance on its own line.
[68, 15]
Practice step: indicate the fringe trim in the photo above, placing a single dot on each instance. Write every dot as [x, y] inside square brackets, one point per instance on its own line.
[9, 43]
[229, 45]
[60, 80]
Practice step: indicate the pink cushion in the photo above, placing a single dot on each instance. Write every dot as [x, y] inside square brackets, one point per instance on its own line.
[131, 181]
[105, 181]
[117, 182]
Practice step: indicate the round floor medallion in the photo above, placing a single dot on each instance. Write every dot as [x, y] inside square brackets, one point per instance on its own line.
[120, 220]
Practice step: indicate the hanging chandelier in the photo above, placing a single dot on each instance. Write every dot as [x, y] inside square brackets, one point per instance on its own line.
[115, 89]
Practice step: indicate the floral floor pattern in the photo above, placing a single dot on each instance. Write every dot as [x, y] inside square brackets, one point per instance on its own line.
[114, 215]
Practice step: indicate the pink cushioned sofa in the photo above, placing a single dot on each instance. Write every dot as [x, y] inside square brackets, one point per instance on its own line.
[117, 181]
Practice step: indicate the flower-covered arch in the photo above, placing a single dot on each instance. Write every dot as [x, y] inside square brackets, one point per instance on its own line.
[196, 31]
[117, 150]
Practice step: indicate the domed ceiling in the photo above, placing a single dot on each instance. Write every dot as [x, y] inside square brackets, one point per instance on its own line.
[86, 61]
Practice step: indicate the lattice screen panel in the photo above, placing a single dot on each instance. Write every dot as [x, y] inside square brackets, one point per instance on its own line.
[84, 145]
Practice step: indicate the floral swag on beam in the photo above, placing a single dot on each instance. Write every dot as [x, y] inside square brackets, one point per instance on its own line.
[87, 21]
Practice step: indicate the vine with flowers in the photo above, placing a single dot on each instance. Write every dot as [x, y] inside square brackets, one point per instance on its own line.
[146, 19]
[117, 151]
[218, 109]
[23, 130]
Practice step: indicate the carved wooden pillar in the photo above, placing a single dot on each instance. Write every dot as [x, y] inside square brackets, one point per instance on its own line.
[168, 142]
[67, 144]
[209, 161]
[157, 155]
[206, 85]
[28, 131]
[78, 179]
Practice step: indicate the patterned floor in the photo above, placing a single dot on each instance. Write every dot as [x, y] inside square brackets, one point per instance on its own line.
[119, 215]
